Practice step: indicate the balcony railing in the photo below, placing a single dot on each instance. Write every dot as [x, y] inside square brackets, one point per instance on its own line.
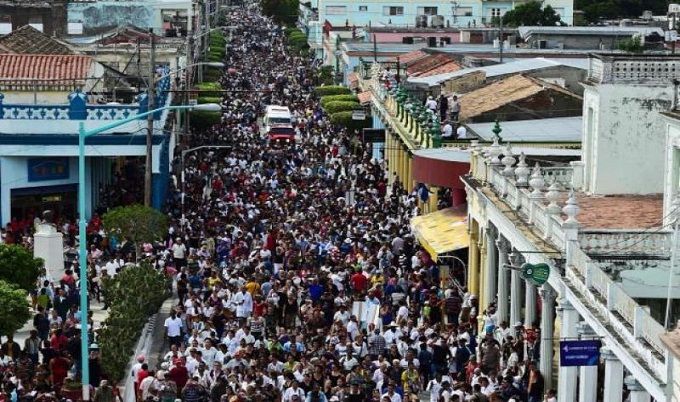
[527, 192]
[628, 243]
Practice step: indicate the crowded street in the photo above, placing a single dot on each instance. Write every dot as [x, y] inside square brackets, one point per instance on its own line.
[296, 275]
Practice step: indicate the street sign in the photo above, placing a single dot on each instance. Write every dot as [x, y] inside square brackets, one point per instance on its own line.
[536, 273]
[358, 115]
[579, 353]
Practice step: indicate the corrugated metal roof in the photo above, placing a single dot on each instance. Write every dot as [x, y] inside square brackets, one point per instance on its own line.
[561, 129]
[525, 31]
[521, 65]
[410, 57]
[54, 69]
[426, 64]
[499, 93]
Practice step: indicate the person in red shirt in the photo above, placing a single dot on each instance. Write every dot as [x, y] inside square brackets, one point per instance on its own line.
[179, 374]
[142, 373]
[359, 282]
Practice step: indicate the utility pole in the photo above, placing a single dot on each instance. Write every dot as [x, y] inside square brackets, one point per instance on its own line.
[151, 94]
[500, 36]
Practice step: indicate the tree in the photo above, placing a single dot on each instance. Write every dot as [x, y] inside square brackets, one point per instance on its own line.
[19, 267]
[531, 14]
[14, 312]
[134, 294]
[594, 10]
[632, 45]
[137, 223]
[283, 11]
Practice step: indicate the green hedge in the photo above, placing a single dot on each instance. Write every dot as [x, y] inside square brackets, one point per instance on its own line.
[202, 121]
[340, 106]
[208, 99]
[133, 295]
[338, 98]
[332, 90]
[210, 86]
[345, 119]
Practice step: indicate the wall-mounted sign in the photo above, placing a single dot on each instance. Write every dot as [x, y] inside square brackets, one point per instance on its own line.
[43, 169]
[579, 353]
[536, 273]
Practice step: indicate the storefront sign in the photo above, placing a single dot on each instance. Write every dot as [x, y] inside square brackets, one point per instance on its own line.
[536, 273]
[43, 169]
[579, 353]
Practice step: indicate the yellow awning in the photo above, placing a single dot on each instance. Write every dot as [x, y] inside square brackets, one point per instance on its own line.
[441, 232]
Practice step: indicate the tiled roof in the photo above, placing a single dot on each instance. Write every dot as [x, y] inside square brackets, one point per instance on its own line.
[353, 79]
[28, 40]
[503, 92]
[410, 57]
[364, 97]
[620, 211]
[53, 69]
[449, 67]
[428, 63]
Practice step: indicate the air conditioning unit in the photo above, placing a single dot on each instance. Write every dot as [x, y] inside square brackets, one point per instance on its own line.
[437, 21]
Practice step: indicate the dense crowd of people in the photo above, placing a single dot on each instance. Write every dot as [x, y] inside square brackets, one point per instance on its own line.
[297, 275]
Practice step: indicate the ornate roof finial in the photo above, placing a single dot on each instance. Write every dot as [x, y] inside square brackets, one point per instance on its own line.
[571, 209]
[553, 195]
[508, 160]
[522, 171]
[496, 130]
[537, 182]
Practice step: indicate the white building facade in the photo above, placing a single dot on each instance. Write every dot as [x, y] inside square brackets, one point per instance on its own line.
[424, 13]
[574, 219]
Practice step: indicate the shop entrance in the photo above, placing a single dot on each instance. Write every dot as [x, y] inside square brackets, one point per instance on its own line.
[32, 201]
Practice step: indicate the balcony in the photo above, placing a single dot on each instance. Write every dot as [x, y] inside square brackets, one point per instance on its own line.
[538, 197]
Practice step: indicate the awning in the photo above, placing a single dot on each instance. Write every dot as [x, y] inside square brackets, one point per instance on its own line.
[442, 231]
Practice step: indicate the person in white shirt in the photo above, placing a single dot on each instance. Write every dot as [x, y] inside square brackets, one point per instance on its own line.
[447, 130]
[391, 394]
[461, 132]
[179, 254]
[209, 352]
[244, 305]
[173, 327]
[294, 390]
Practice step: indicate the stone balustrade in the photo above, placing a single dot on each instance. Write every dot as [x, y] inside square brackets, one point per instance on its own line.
[534, 193]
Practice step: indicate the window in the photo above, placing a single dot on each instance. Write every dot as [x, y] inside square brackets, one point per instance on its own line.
[495, 12]
[363, 8]
[336, 10]
[427, 10]
[463, 12]
[393, 10]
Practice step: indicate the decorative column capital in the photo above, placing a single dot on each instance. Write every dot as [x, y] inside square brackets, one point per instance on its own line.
[503, 244]
[548, 294]
[632, 384]
[607, 354]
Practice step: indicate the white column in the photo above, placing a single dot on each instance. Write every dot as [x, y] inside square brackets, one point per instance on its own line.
[613, 376]
[548, 296]
[637, 392]
[587, 375]
[569, 319]
[515, 294]
[529, 304]
[491, 268]
[502, 280]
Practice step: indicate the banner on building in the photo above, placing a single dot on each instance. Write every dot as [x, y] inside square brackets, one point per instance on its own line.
[580, 353]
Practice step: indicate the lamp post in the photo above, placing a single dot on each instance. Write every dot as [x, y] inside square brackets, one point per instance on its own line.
[82, 225]
[150, 129]
[184, 154]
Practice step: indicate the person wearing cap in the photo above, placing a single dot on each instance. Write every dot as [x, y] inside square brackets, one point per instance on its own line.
[193, 391]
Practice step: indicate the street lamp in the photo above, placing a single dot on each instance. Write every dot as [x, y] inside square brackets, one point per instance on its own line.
[82, 225]
[184, 154]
